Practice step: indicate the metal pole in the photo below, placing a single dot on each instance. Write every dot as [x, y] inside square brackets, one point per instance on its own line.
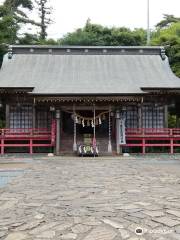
[148, 23]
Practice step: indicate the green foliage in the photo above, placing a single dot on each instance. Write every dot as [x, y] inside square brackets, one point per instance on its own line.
[170, 38]
[34, 39]
[167, 21]
[15, 4]
[97, 35]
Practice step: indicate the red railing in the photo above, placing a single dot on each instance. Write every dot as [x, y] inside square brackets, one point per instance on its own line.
[29, 138]
[151, 137]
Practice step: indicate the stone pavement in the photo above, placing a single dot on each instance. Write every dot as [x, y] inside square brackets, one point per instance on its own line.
[93, 199]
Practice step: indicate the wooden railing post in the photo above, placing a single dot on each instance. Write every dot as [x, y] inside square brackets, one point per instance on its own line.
[143, 146]
[171, 142]
[53, 133]
[31, 141]
[2, 142]
[143, 142]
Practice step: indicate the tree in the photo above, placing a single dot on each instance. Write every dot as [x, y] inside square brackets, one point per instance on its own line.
[44, 11]
[167, 21]
[95, 34]
[16, 9]
[12, 17]
[170, 38]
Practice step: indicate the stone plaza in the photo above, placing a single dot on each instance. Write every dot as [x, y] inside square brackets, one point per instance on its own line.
[91, 198]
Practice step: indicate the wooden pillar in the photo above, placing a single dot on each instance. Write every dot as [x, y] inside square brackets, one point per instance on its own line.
[7, 116]
[34, 117]
[109, 142]
[75, 130]
[58, 116]
[118, 148]
[140, 125]
[166, 116]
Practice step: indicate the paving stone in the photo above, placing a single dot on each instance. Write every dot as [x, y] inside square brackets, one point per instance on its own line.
[90, 191]
[113, 223]
[39, 216]
[154, 213]
[143, 203]
[77, 220]
[129, 207]
[8, 205]
[47, 235]
[174, 212]
[151, 224]
[137, 215]
[134, 191]
[17, 236]
[101, 233]
[167, 221]
[63, 226]
[69, 236]
[28, 226]
[124, 234]
[136, 238]
[43, 228]
[80, 228]
[177, 229]
[2, 234]
[174, 236]
[91, 221]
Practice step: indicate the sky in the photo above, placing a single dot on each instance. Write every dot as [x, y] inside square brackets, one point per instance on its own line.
[68, 15]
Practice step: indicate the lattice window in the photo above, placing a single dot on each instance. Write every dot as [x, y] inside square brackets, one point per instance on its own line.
[20, 117]
[43, 118]
[152, 116]
[131, 115]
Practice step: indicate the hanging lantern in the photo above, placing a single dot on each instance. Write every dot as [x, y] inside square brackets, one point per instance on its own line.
[100, 122]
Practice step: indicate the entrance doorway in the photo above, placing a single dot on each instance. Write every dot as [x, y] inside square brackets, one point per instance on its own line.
[84, 129]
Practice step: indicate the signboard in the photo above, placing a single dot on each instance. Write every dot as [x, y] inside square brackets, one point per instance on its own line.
[122, 131]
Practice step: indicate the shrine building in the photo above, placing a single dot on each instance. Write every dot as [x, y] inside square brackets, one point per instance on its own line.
[70, 99]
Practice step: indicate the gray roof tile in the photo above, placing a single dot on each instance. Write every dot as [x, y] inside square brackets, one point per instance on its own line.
[87, 73]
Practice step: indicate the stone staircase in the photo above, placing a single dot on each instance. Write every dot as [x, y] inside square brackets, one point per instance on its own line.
[67, 144]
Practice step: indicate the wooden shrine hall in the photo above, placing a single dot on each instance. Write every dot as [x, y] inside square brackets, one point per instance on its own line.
[88, 100]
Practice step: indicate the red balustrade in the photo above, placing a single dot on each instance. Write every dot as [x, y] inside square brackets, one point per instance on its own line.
[30, 138]
[136, 137]
[152, 137]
